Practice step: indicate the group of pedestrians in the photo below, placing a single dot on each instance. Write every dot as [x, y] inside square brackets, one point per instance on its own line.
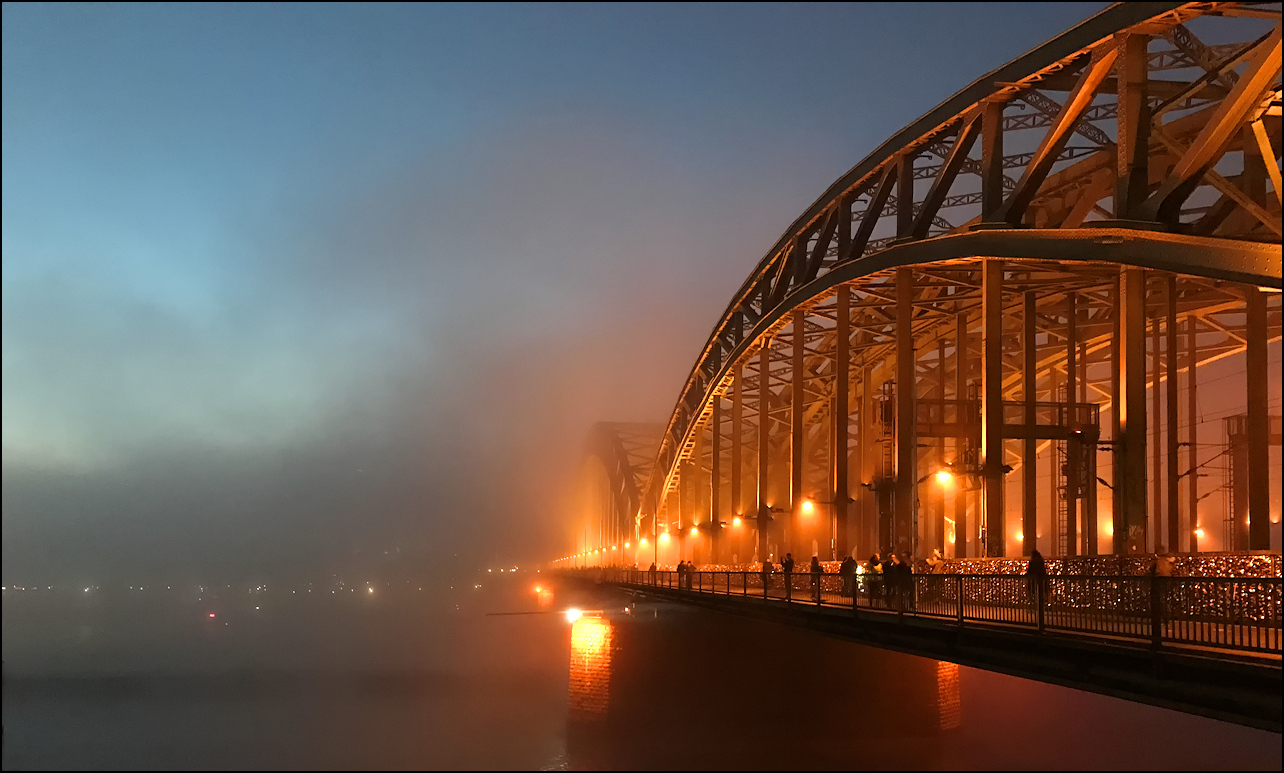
[685, 572]
[890, 580]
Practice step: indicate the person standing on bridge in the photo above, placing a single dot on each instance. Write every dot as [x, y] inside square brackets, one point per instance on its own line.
[787, 566]
[1037, 572]
[875, 572]
[847, 570]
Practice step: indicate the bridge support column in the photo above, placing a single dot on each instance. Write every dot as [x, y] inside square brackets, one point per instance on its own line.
[797, 400]
[1192, 434]
[1075, 449]
[1170, 428]
[839, 495]
[992, 404]
[715, 481]
[868, 518]
[764, 445]
[1155, 526]
[1130, 439]
[1029, 471]
[1259, 482]
[737, 439]
[904, 531]
[961, 532]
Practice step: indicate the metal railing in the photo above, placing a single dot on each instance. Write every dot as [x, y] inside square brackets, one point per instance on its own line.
[1220, 612]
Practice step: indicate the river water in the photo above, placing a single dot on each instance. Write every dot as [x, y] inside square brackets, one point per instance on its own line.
[397, 677]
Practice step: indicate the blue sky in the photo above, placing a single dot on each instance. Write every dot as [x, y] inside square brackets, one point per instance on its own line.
[260, 248]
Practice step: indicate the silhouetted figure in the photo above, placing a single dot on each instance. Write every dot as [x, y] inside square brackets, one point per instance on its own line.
[1037, 572]
[908, 589]
[787, 566]
[875, 578]
[892, 579]
[847, 570]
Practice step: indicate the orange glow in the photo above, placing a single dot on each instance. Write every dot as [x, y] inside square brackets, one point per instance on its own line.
[590, 668]
[808, 506]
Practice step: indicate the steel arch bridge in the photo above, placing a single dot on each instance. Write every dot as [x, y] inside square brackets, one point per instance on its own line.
[1025, 283]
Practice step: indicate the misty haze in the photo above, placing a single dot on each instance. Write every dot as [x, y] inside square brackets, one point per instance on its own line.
[516, 386]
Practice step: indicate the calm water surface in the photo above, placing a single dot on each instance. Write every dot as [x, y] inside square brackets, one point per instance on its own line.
[404, 678]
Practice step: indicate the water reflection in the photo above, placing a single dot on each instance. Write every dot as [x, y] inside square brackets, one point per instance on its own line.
[590, 673]
[671, 687]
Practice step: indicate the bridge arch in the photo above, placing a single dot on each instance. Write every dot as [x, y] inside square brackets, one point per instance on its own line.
[1114, 205]
[617, 463]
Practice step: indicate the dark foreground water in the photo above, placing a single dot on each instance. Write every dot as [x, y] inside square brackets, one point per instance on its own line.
[404, 678]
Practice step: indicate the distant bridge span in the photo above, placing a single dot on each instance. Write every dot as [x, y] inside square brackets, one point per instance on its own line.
[987, 336]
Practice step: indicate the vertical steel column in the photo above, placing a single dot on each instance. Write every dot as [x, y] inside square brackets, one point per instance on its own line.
[938, 518]
[764, 435]
[864, 437]
[903, 530]
[960, 416]
[796, 403]
[1029, 472]
[1090, 465]
[1119, 530]
[1170, 431]
[1075, 449]
[737, 438]
[1130, 447]
[991, 160]
[1259, 481]
[838, 448]
[1156, 524]
[1192, 433]
[715, 480]
[992, 403]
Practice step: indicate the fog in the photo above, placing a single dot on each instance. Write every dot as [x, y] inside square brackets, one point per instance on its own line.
[288, 288]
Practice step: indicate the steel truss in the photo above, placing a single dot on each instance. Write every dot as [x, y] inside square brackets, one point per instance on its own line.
[1116, 230]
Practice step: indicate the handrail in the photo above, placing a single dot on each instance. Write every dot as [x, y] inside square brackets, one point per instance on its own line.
[1233, 613]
